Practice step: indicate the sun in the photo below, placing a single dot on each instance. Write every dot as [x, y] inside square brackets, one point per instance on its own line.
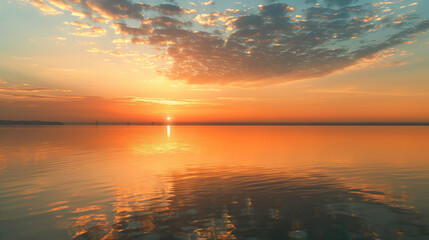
[168, 118]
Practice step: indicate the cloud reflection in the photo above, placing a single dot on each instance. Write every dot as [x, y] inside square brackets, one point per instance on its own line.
[268, 204]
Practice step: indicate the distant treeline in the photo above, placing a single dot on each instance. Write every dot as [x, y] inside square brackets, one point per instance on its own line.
[10, 122]
[257, 123]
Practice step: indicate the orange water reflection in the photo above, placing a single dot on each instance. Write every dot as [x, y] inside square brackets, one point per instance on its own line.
[125, 182]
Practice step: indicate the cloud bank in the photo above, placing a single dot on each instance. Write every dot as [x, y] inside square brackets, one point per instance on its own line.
[269, 43]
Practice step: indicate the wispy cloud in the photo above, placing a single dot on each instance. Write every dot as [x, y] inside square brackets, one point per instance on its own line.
[355, 90]
[26, 90]
[237, 98]
[207, 89]
[44, 7]
[85, 29]
[165, 101]
[93, 32]
[208, 3]
[38, 97]
[62, 69]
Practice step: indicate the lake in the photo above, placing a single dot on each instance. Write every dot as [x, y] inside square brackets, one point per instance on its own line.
[214, 182]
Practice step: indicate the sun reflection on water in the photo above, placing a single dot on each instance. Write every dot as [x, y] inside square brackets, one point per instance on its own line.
[168, 130]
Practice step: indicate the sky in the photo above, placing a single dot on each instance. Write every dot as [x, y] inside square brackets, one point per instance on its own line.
[220, 60]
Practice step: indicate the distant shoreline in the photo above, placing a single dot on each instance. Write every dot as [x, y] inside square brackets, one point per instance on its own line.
[10, 122]
[253, 123]
[20, 123]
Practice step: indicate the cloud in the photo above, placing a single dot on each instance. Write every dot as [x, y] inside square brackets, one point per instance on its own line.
[265, 44]
[87, 30]
[206, 89]
[39, 97]
[115, 53]
[276, 10]
[354, 90]
[93, 32]
[97, 10]
[208, 3]
[23, 92]
[236, 98]
[44, 7]
[339, 3]
[164, 101]
[213, 19]
[17, 93]
[396, 63]
[330, 3]
[36, 95]
[114, 9]
[28, 90]
[79, 24]
[169, 9]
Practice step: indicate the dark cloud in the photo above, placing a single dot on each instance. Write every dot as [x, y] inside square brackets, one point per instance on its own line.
[340, 3]
[310, 1]
[114, 9]
[99, 10]
[329, 13]
[169, 9]
[275, 10]
[270, 47]
[249, 22]
[330, 3]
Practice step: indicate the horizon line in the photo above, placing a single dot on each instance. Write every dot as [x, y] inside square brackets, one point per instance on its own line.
[358, 123]
[220, 123]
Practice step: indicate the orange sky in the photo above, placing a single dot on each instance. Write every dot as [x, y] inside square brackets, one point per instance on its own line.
[326, 60]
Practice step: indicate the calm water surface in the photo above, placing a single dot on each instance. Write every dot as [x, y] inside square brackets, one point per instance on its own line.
[188, 182]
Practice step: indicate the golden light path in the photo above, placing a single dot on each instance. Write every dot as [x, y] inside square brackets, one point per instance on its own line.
[168, 130]
[168, 127]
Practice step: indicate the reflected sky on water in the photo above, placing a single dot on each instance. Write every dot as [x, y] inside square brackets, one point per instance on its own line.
[214, 182]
